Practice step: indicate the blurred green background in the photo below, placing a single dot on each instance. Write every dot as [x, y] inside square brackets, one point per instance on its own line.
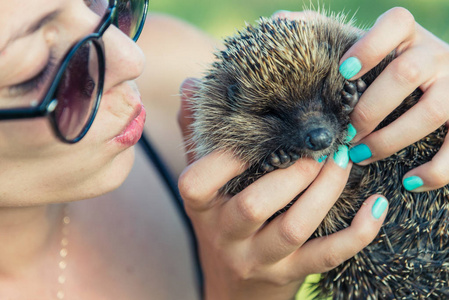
[222, 18]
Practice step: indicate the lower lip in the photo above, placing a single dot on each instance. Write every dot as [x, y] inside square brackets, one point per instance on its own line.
[132, 133]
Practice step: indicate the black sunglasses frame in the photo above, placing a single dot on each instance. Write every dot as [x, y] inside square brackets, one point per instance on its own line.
[48, 104]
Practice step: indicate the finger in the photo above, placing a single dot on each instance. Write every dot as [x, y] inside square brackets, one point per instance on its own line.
[431, 175]
[325, 253]
[286, 233]
[423, 118]
[394, 28]
[200, 182]
[185, 115]
[247, 211]
[399, 79]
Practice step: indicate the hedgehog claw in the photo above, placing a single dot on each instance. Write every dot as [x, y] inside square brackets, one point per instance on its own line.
[279, 160]
[351, 94]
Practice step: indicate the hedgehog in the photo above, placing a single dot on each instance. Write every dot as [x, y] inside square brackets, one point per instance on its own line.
[274, 95]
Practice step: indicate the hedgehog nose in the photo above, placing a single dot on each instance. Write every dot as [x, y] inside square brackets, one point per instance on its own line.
[318, 139]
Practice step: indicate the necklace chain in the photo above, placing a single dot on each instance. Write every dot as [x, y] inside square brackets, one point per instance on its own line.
[63, 252]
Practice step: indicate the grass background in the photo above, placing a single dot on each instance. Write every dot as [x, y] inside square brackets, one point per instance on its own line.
[223, 18]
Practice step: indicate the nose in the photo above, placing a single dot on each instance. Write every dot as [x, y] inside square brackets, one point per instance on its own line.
[318, 139]
[124, 59]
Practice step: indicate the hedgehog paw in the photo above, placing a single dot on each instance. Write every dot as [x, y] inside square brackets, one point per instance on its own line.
[352, 91]
[279, 160]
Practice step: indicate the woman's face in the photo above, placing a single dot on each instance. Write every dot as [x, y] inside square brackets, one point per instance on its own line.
[35, 167]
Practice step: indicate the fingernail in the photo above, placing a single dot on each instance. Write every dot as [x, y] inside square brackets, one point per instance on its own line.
[412, 182]
[360, 153]
[379, 207]
[351, 133]
[322, 158]
[350, 67]
[341, 157]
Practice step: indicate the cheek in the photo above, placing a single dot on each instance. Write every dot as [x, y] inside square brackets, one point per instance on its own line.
[19, 136]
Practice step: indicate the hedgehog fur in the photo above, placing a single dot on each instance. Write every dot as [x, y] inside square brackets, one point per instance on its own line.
[274, 95]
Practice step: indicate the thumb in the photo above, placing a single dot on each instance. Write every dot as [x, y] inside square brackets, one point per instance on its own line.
[188, 89]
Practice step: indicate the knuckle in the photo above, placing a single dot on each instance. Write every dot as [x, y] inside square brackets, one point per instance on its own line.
[242, 270]
[189, 190]
[249, 208]
[364, 116]
[402, 16]
[331, 259]
[406, 71]
[383, 145]
[292, 233]
[433, 114]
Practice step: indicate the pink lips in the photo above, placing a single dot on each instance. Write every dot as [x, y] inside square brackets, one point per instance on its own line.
[133, 131]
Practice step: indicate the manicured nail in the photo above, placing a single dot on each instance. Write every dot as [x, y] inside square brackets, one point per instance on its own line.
[351, 133]
[322, 158]
[360, 153]
[341, 157]
[412, 182]
[379, 207]
[350, 67]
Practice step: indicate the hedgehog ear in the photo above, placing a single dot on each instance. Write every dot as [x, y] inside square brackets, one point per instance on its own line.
[233, 91]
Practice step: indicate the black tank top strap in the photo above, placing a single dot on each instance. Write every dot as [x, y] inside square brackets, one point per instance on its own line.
[172, 187]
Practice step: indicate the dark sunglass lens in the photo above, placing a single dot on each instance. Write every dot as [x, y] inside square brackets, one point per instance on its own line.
[77, 92]
[130, 14]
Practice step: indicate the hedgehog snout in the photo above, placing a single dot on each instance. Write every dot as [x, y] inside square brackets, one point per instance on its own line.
[318, 139]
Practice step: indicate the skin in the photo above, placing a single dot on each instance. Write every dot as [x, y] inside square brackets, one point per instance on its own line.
[88, 167]
[124, 243]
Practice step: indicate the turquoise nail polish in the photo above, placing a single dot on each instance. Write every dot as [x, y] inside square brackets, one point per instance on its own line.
[379, 207]
[341, 157]
[351, 133]
[350, 67]
[412, 182]
[322, 158]
[360, 153]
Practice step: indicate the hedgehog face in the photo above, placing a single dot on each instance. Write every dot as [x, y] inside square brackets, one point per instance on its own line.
[301, 122]
[275, 95]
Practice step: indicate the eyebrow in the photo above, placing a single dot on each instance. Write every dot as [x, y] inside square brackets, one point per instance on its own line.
[33, 27]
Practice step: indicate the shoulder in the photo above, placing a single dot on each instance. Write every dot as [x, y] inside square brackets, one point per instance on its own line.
[175, 45]
[164, 32]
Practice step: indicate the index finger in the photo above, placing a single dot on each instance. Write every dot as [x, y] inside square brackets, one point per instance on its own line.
[392, 30]
[200, 182]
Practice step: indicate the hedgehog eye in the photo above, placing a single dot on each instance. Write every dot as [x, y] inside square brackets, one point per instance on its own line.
[233, 91]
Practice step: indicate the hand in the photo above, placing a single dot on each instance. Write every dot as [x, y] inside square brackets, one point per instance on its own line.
[243, 256]
[422, 62]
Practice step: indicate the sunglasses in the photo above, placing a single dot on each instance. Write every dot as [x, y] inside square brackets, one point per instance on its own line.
[72, 98]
